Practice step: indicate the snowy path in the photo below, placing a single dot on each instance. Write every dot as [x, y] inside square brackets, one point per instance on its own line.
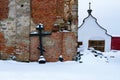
[92, 68]
[11, 70]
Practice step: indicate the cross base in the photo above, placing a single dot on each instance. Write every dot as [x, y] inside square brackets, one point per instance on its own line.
[41, 60]
[61, 58]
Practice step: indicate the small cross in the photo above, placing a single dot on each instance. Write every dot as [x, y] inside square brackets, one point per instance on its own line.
[89, 10]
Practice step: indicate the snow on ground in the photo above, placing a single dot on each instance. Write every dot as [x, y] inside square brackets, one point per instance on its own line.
[91, 68]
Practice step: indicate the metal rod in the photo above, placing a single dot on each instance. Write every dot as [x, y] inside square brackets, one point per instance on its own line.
[40, 38]
[89, 5]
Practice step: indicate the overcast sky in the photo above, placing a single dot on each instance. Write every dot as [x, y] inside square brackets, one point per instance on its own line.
[107, 13]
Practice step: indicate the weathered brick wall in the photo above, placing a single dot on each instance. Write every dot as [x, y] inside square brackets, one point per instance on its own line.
[62, 43]
[5, 51]
[71, 14]
[22, 29]
[19, 17]
[15, 30]
[2, 41]
[69, 46]
[7, 29]
[34, 52]
[52, 45]
[45, 12]
[60, 7]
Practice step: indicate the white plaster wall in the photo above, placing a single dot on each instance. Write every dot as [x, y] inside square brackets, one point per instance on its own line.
[91, 31]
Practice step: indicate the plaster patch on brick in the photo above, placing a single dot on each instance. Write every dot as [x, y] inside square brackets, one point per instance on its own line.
[12, 10]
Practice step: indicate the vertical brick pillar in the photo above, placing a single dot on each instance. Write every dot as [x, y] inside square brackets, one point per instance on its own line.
[53, 47]
[22, 27]
[69, 45]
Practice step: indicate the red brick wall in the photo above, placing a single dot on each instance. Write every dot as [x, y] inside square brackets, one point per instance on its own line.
[60, 8]
[45, 11]
[34, 52]
[69, 46]
[15, 41]
[2, 41]
[5, 50]
[3, 9]
[54, 45]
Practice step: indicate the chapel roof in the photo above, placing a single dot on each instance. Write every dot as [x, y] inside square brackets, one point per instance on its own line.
[91, 16]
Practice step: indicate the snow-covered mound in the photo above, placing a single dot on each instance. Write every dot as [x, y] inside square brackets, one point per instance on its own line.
[113, 56]
[92, 56]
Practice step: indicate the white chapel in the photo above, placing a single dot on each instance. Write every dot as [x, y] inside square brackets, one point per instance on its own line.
[91, 34]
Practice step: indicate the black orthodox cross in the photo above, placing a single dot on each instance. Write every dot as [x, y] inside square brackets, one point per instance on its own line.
[89, 10]
[40, 33]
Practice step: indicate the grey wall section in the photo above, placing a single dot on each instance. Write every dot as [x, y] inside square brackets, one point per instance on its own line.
[16, 30]
[22, 27]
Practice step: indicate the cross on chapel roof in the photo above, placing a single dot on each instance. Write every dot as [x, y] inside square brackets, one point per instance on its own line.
[89, 10]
